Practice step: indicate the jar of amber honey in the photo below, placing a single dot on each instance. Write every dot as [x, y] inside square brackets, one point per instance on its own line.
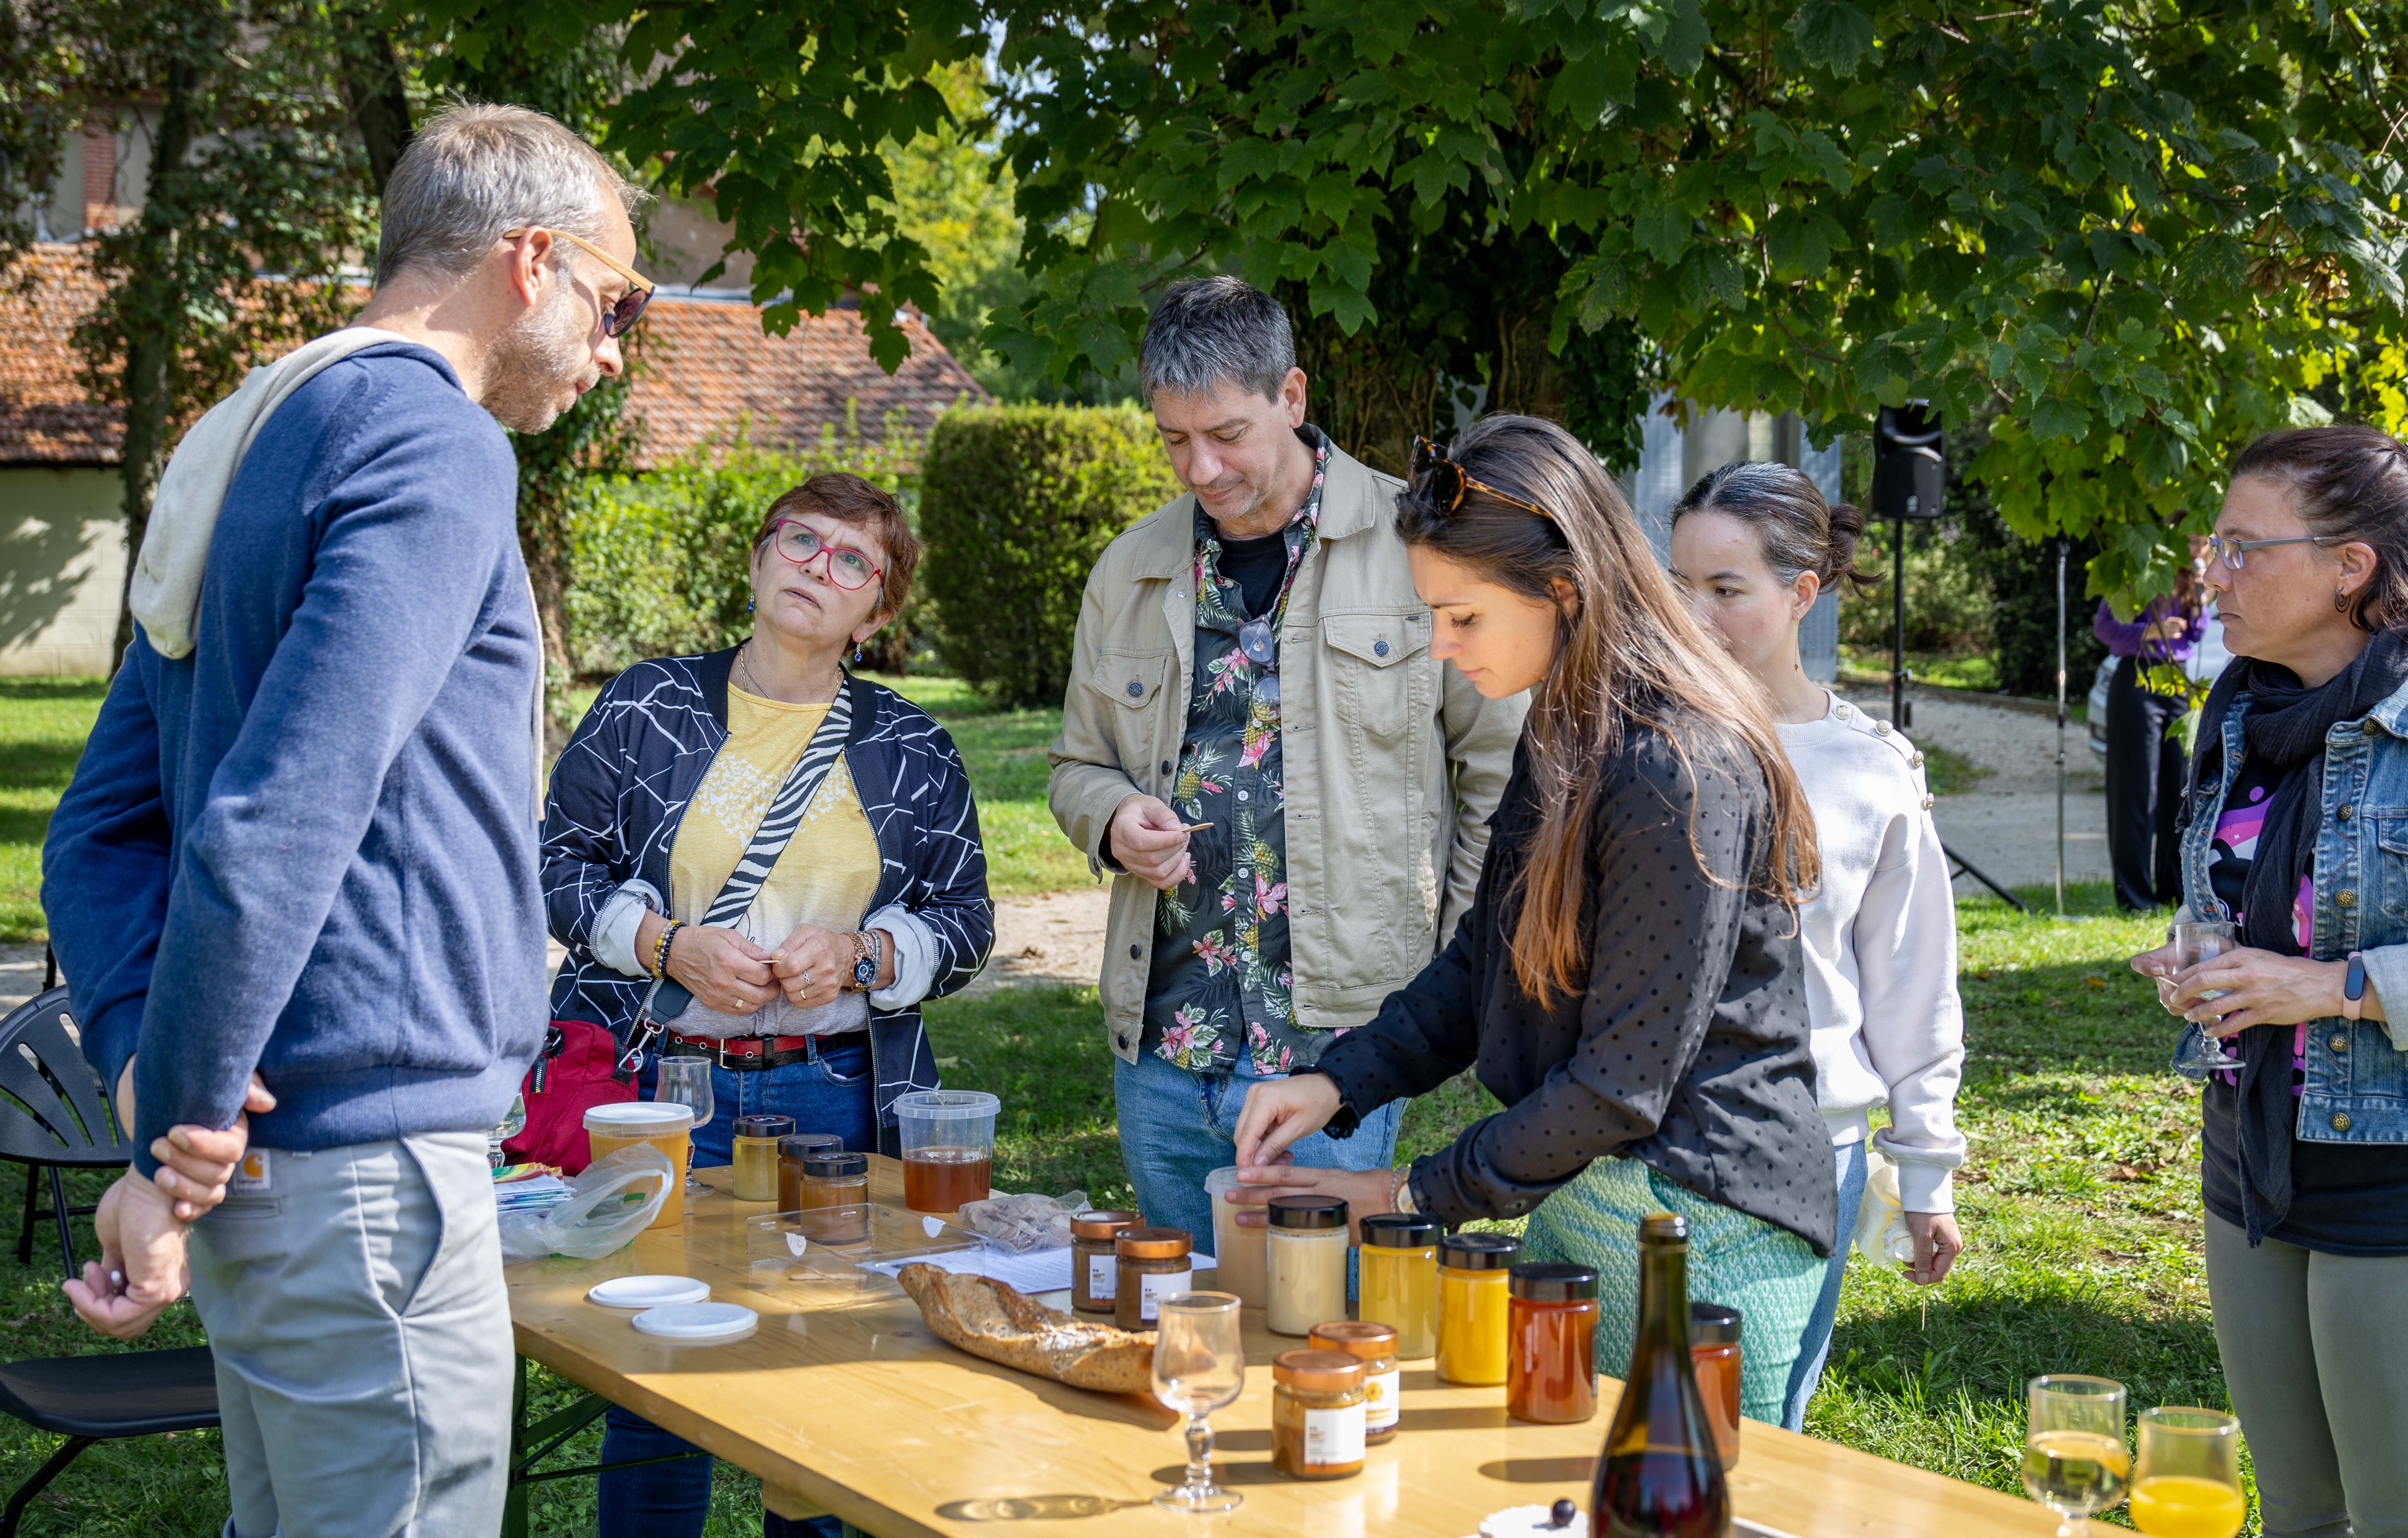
[792, 1150]
[1376, 1345]
[1152, 1264]
[1550, 1352]
[1317, 1414]
[1094, 1263]
[1714, 1348]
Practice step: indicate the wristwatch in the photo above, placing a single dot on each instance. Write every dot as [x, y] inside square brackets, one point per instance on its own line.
[2353, 987]
[864, 962]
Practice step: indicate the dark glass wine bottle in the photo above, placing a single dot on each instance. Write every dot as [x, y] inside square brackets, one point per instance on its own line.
[1660, 1476]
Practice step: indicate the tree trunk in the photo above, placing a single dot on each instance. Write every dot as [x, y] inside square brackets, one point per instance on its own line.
[155, 326]
[548, 571]
[372, 90]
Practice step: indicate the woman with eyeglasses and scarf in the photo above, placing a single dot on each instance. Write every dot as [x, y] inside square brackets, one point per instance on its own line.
[1629, 981]
[755, 856]
[2296, 831]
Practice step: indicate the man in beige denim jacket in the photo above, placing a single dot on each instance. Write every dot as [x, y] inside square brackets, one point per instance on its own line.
[1252, 654]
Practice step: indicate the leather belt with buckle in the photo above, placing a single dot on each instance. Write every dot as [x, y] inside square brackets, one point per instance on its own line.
[754, 1054]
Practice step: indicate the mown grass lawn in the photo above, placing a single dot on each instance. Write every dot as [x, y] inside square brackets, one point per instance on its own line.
[43, 724]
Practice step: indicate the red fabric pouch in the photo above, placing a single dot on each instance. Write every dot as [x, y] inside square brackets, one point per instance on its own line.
[577, 1070]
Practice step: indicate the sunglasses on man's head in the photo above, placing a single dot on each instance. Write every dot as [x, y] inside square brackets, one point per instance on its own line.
[617, 319]
[1444, 482]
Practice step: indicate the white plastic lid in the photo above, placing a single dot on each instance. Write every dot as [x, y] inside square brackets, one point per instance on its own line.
[697, 1321]
[946, 1105]
[639, 1118]
[1222, 1181]
[647, 1292]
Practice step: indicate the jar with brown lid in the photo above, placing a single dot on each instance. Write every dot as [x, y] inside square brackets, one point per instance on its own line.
[1376, 1345]
[792, 1150]
[1317, 1414]
[1095, 1264]
[754, 1155]
[1152, 1264]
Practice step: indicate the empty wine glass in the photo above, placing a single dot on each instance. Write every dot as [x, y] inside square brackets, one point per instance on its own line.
[513, 1122]
[2075, 1458]
[686, 1081]
[2187, 1483]
[1200, 1366]
[2197, 1053]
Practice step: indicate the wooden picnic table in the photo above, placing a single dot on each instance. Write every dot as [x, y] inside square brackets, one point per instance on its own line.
[852, 1405]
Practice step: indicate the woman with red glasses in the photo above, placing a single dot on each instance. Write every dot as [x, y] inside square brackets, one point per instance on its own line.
[755, 856]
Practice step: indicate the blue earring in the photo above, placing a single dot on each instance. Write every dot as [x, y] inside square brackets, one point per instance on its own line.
[748, 606]
[857, 651]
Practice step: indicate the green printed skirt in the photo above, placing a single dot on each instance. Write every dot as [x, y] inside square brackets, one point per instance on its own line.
[1767, 1274]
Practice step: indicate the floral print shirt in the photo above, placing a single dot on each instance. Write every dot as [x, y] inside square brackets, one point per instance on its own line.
[1220, 978]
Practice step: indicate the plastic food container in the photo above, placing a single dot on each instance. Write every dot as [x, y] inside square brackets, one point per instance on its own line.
[1239, 1252]
[667, 1127]
[1399, 1287]
[754, 1155]
[948, 1147]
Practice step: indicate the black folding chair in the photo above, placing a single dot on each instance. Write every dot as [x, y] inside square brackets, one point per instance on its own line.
[95, 1399]
[53, 1114]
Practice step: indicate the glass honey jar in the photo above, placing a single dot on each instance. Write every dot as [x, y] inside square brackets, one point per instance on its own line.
[1317, 1414]
[754, 1155]
[1154, 1264]
[1471, 1298]
[792, 1150]
[1376, 1345]
[1094, 1262]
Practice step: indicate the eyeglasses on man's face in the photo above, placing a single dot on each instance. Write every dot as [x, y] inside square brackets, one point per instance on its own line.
[2231, 552]
[847, 568]
[620, 317]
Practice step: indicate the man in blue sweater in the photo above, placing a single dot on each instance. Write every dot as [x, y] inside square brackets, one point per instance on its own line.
[299, 849]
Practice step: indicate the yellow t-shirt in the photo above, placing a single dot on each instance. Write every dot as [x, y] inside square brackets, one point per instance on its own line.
[829, 869]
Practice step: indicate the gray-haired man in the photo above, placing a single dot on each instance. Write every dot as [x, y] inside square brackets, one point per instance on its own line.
[1252, 656]
[300, 849]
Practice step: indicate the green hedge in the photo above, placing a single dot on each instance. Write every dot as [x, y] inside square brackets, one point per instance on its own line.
[1016, 503]
[657, 562]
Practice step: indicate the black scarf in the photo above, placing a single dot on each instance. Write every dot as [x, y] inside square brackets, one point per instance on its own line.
[2286, 729]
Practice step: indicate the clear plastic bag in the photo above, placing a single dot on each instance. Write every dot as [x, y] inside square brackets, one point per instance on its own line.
[607, 1207]
[1881, 1235]
[1025, 1222]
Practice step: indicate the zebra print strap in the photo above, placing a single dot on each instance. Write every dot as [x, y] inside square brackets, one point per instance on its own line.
[784, 815]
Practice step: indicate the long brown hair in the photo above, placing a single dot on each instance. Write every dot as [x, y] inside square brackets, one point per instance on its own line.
[1628, 654]
[2348, 482]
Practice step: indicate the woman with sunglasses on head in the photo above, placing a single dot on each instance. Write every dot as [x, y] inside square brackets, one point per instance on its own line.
[1753, 545]
[2296, 831]
[1629, 981]
[753, 855]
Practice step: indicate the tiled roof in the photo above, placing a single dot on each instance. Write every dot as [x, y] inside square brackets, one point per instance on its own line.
[708, 367]
[45, 417]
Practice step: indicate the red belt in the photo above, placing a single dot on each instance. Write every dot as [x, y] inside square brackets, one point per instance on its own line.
[739, 1054]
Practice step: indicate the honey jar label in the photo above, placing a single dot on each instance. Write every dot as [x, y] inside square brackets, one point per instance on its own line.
[1333, 1436]
[1103, 1278]
[1382, 1407]
[1151, 1291]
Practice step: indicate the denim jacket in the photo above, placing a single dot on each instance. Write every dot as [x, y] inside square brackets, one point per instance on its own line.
[2356, 1086]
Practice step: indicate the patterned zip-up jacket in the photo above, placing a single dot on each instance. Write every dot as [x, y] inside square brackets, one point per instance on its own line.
[627, 777]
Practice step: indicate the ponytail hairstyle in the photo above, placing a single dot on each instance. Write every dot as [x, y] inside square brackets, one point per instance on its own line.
[2349, 484]
[1628, 656]
[1795, 528]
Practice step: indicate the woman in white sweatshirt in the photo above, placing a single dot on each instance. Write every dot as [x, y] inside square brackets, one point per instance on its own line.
[1753, 543]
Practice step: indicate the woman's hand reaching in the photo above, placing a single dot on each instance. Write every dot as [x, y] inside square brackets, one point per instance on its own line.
[1280, 1112]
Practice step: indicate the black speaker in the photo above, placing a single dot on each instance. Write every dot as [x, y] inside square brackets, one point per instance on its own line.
[1910, 463]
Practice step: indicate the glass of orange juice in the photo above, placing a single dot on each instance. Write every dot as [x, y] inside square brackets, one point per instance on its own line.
[2187, 1482]
[667, 1127]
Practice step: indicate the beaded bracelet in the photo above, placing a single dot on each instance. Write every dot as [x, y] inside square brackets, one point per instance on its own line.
[661, 948]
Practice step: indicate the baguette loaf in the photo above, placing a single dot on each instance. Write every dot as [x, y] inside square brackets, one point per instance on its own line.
[988, 1318]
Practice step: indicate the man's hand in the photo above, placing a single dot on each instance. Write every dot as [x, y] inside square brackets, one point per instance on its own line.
[813, 965]
[1279, 1112]
[142, 1266]
[725, 970]
[195, 1161]
[1151, 843]
[1937, 1245]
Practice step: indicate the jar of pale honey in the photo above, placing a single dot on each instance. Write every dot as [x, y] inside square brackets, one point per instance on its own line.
[754, 1154]
[667, 1127]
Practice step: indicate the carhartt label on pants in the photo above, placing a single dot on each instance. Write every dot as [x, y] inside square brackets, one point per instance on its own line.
[250, 1176]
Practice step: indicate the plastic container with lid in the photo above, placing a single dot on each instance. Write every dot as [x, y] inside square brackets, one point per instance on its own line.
[1238, 1251]
[1472, 1320]
[1094, 1262]
[1376, 1345]
[1304, 1259]
[754, 1155]
[1317, 1414]
[1550, 1364]
[1713, 1347]
[948, 1147]
[667, 1127]
[839, 1180]
[1399, 1279]
[1154, 1264]
[792, 1150]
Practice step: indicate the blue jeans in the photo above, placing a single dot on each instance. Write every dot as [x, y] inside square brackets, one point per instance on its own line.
[1178, 1127]
[832, 1091]
[1814, 1348]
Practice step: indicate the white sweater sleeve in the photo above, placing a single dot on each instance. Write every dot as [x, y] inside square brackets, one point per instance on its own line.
[1905, 942]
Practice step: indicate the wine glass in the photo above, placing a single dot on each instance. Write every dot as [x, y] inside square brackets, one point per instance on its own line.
[2197, 1053]
[2187, 1482]
[686, 1081]
[2075, 1458]
[513, 1122]
[1200, 1366]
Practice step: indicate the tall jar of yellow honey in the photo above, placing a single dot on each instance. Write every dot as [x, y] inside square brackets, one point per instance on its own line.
[1398, 1283]
[665, 1126]
[1473, 1305]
